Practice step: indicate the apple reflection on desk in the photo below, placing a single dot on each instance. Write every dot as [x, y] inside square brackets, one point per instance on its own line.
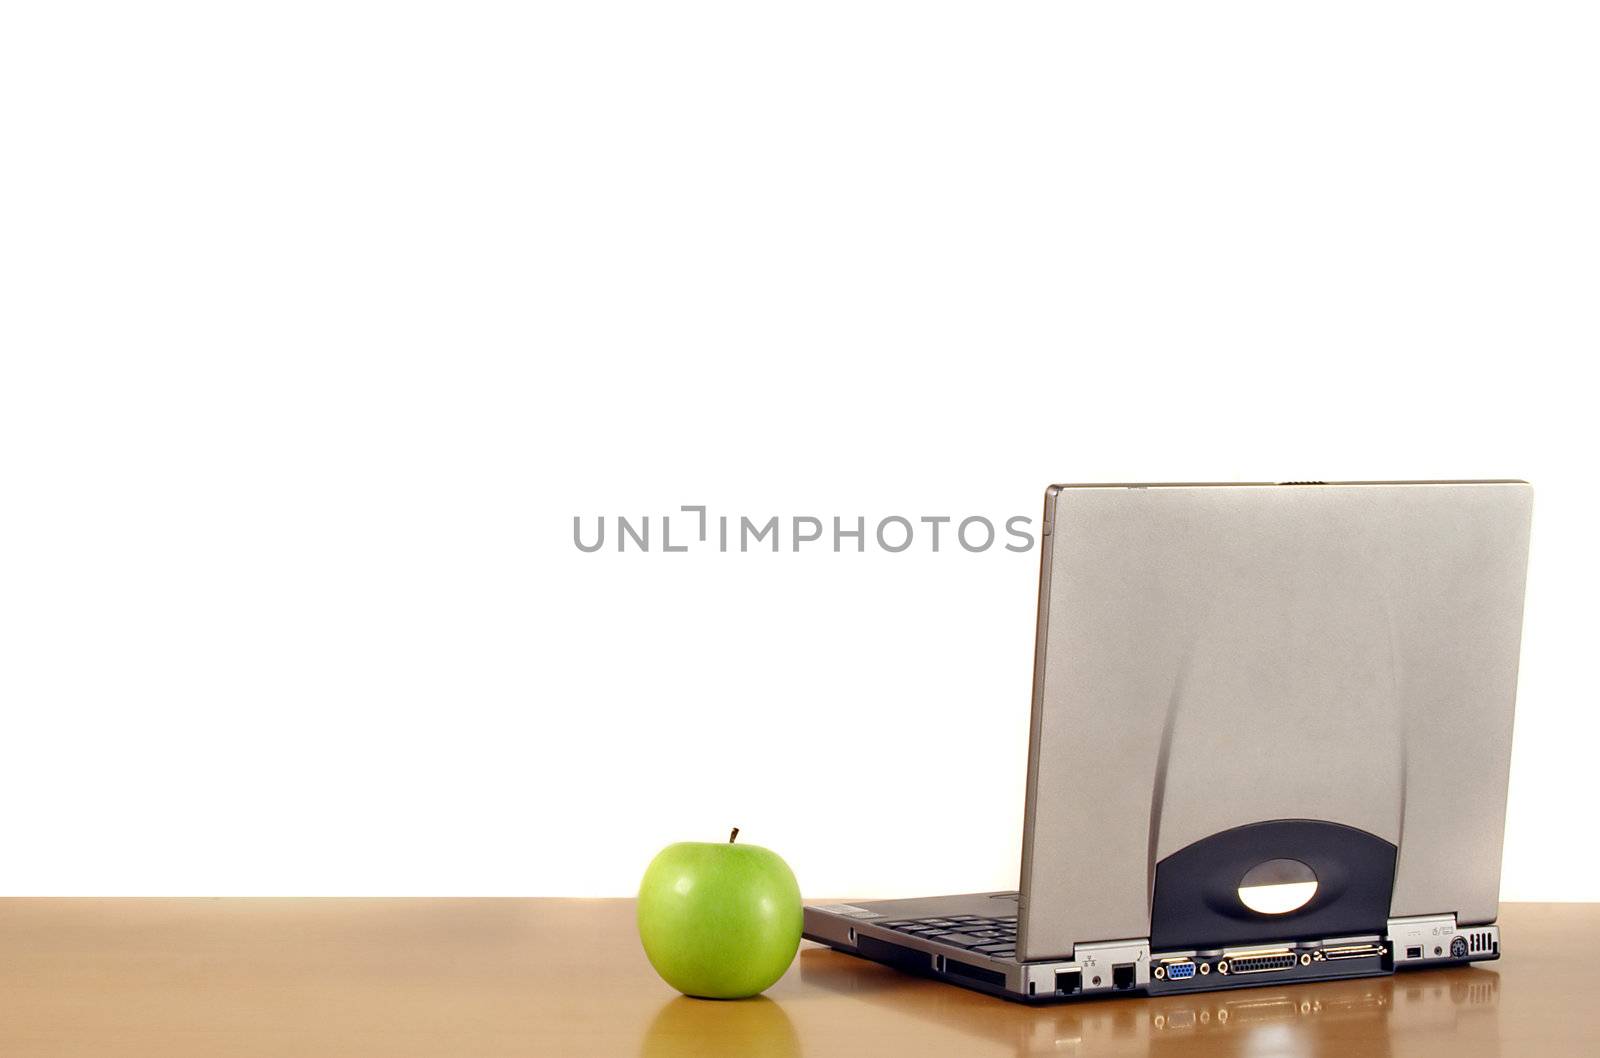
[1369, 1016]
[709, 1028]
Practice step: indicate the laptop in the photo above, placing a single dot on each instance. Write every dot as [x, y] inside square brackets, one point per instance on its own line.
[1271, 733]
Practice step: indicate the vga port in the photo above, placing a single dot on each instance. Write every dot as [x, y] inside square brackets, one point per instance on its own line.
[1179, 971]
[1257, 962]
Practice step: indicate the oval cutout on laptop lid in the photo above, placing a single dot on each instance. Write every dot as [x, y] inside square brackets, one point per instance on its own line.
[1277, 887]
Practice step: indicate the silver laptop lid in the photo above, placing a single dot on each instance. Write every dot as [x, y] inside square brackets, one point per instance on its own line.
[1212, 658]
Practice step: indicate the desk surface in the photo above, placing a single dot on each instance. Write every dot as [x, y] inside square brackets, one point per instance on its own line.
[479, 978]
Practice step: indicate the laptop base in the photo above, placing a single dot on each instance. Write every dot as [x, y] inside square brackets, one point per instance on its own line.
[939, 937]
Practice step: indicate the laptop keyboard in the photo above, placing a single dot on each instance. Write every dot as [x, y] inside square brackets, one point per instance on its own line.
[987, 936]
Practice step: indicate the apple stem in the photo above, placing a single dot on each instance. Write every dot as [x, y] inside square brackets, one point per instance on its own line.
[733, 835]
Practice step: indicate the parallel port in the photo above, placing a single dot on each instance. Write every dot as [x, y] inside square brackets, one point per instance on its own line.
[1257, 962]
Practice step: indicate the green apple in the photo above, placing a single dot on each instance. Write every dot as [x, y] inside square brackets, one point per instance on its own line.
[719, 921]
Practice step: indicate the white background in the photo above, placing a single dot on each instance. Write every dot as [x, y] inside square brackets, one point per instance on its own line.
[321, 321]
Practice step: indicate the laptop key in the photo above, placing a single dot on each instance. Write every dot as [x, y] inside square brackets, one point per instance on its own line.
[996, 949]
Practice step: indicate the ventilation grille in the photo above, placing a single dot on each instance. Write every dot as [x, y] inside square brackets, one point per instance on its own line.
[1480, 942]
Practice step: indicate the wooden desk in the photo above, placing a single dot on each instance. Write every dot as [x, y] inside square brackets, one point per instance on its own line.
[479, 978]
